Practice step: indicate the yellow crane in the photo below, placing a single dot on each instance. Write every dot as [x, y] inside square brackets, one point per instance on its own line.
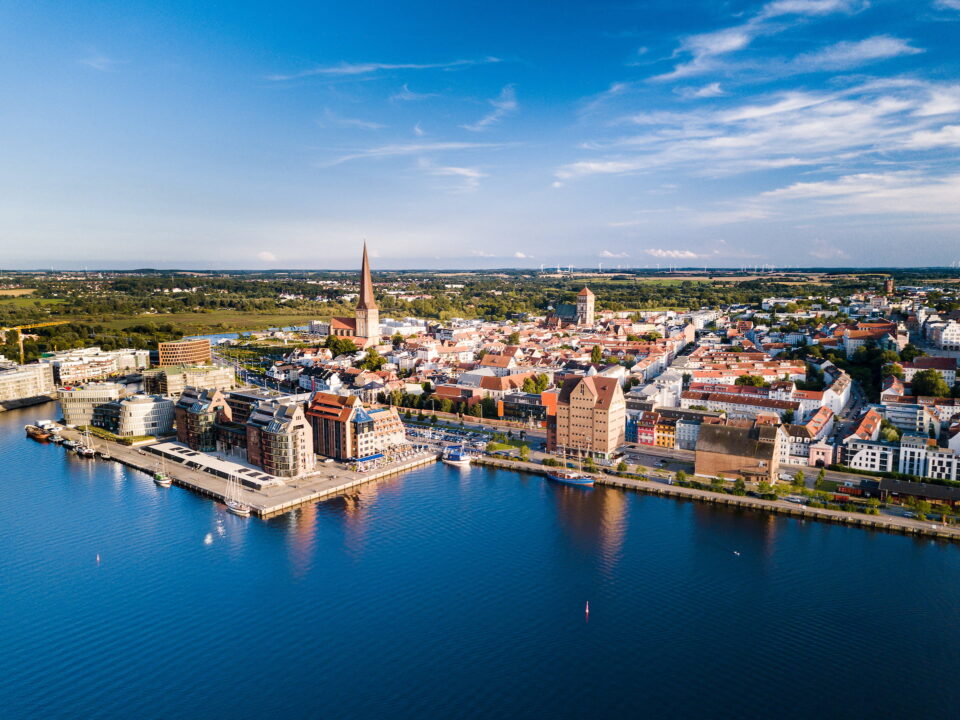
[20, 328]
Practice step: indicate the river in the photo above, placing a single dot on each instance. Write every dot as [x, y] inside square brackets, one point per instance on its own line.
[451, 593]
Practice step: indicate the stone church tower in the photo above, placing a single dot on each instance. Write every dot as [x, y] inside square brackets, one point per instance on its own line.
[367, 313]
[586, 303]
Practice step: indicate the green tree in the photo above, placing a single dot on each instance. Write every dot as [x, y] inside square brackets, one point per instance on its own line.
[821, 479]
[681, 476]
[596, 355]
[433, 419]
[788, 416]
[765, 488]
[340, 345]
[751, 380]
[373, 361]
[930, 383]
[894, 369]
[513, 338]
[529, 385]
[524, 452]
[798, 479]
[739, 487]
[622, 466]
[717, 483]
[910, 352]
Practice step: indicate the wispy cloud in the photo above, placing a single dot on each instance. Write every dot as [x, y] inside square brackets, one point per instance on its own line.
[707, 91]
[822, 250]
[469, 176]
[851, 54]
[418, 130]
[99, 61]
[947, 4]
[839, 128]
[609, 254]
[672, 254]
[346, 68]
[706, 51]
[522, 255]
[504, 104]
[407, 95]
[266, 256]
[399, 150]
[332, 118]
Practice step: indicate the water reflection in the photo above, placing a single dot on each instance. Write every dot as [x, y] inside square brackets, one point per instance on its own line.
[593, 519]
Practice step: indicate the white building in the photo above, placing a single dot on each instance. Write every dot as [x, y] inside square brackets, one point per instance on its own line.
[78, 403]
[25, 382]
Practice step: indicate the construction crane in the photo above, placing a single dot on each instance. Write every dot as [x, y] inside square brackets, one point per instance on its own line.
[20, 328]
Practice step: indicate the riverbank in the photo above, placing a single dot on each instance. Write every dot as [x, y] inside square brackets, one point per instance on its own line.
[327, 481]
[887, 523]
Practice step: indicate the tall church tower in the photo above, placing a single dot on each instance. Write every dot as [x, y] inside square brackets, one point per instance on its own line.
[586, 303]
[367, 312]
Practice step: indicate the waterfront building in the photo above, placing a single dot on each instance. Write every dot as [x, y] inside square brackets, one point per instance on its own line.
[946, 367]
[184, 352]
[136, 416]
[73, 367]
[197, 413]
[23, 384]
[590, 418]
[344, 430]
[364, 326]
[279, 438]
[78, 402]
[733, 451]
[171, 381]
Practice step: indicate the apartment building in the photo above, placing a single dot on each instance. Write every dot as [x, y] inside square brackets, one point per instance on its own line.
[591, 417]
[23, 383]
[171, 381]
[184, 352]
[136, 416]
[78, 402]
[279, 438]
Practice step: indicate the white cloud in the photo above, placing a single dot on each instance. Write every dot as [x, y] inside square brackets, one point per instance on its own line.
[947, 4]
[608, 254]
[469, 177]
[672, 254]
[707, 91]
[824, 251]
[809, 7]
[408, 95]
[850, 54]
[99, 61]
[418, 131]
[504, 104]
[383, 151]
[332, 118]
[348, 69]
[947, 136]
[840, 128]
[522, 256]
[266, 256]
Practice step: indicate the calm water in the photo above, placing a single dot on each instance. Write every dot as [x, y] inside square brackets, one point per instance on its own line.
[450, 593]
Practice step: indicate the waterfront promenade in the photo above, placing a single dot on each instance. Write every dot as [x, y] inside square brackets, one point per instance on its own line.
[892, 523]
[326, 481]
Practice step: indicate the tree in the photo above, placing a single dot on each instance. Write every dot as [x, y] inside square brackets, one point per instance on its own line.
[739, 487]
[340, 345]
[524, 452]
[433, 419]
[717, 483]
[788, 416]
[894, 369]
[396, 339]
[513, 338]
[798, 480]
[751, 380]
[589, 465]
[680, 477]
[821, 479]
[765, 488]
[930, 383]
[427, 387]
[529, 385]
[910, 352]
[596, 355]
[373, 361]
[622, 466]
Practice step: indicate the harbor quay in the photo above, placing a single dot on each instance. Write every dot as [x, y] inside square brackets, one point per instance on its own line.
[267, 496]
[888, 523]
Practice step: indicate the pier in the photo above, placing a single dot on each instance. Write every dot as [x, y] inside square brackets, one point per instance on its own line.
[328, 480]
[888, 523]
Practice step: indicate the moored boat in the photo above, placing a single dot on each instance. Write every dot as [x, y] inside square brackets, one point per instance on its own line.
[456, 456]
[160, 477]
[570, 478]
[37, 433]
[234, 498]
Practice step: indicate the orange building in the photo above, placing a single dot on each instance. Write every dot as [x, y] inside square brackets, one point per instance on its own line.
[185, 352]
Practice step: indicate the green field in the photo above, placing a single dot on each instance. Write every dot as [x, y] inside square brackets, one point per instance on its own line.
[214, 322]
[8, 302]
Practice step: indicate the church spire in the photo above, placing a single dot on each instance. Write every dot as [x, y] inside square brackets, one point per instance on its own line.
[366, 301]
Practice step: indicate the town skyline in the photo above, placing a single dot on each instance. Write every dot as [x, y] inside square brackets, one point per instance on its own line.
[813, 133]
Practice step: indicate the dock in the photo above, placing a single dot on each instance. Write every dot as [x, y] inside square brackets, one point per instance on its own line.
[328, 480]
[887, 523]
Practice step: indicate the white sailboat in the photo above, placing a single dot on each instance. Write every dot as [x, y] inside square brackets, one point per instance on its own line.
[160, 477]
[234, 497]
[85, 445]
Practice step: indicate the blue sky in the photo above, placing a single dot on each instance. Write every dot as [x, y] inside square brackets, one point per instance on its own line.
[479, 134]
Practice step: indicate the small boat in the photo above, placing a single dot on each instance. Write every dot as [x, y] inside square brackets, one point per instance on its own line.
[160, 477]
[84, 451]
[55, 438]
[69, 444]
[571, 478]
[234, 498]
[456, 456]
[37, 433]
